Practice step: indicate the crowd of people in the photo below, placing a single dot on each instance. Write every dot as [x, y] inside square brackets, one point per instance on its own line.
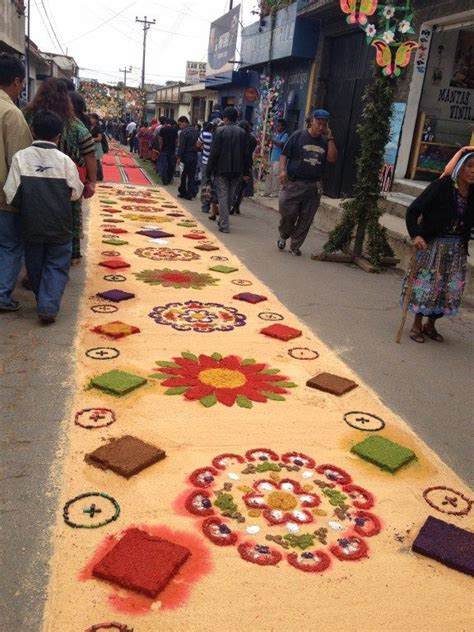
[50, 160]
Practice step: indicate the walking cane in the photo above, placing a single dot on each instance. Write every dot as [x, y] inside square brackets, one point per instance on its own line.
[408, 293]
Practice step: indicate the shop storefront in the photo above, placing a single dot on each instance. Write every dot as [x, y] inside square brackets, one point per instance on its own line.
[282, 48]
[446, 112]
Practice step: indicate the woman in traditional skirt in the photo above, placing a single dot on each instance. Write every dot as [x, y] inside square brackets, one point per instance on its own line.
[439, 222]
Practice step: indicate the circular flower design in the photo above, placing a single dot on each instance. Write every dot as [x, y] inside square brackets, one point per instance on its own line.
[404, 26]
[199, 317]
[228, 380]
[388, 37]
[176, 278]
[140, 208]
[389, 11]
[276, 508]
[167, 254]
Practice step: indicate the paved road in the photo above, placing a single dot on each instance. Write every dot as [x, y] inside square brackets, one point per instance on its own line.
[355, 313]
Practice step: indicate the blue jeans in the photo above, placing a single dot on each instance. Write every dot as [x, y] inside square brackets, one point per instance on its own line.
[11, 254]
[226, 188]
[48, 267]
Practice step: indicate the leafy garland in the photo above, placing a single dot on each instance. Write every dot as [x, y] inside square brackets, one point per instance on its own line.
[267, 114]
[362, 213]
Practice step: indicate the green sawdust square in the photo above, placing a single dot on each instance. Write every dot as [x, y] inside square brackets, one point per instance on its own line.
[223, 269]
[387, 454]
[117, 382]
[115, 242]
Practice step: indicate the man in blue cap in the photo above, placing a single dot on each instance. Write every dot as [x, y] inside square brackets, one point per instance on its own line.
[302, 166]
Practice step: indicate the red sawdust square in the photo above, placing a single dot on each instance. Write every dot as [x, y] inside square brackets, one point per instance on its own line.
[114, 264]
[194, 236]
[141, 562]
[116, 231]
[282, 332]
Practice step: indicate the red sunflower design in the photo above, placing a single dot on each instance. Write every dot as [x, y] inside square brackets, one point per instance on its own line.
[228, 380]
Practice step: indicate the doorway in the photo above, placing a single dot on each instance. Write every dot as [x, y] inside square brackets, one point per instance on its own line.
[350, 70]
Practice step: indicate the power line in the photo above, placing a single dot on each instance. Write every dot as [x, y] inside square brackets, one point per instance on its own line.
[102, 23]
[52, 27]
[45, 26]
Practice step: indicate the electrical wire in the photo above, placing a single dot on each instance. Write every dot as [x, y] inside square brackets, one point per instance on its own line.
[45, 25]
[52, 27]
[102, 23]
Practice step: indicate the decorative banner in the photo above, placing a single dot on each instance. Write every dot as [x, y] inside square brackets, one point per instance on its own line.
[195, 72]
[223, 42]
[388, 34]
[251, 94]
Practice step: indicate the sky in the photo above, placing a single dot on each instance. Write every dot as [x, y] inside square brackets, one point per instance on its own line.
[103, 37]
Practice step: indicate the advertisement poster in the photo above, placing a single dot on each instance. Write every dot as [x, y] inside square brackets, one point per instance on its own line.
[223, 42]
[463, 72]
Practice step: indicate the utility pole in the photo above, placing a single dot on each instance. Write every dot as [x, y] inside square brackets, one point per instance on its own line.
[146, 27]
[125, 73]
[231, 5]
[27, 52]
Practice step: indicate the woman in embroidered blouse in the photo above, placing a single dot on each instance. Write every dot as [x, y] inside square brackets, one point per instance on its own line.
[439, 222]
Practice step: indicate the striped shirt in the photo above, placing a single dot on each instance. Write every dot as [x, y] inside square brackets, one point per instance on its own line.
[206, 140]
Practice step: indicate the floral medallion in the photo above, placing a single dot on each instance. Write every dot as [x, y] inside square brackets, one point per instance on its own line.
[140, 208]
[282, 508]
[199, 317]
[167, 254]
[228, 380]
[176, 278]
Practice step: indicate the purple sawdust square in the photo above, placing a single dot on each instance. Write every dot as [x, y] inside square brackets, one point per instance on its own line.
[155, 234]
[248, 297]
[446, 543]
[116, 295]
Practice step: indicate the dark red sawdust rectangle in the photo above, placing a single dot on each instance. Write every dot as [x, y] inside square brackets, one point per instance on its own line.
[446, 543]
[141, 562]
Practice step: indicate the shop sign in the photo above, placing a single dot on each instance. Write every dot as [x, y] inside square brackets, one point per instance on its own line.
[292, 37]
[251, 94]
[195, 72]
[223, 42]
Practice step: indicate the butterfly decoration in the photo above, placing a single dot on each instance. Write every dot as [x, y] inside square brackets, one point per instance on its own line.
[385, 56]
[358, 10]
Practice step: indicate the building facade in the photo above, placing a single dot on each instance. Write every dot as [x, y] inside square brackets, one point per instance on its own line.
[172, 102]
[12, 27]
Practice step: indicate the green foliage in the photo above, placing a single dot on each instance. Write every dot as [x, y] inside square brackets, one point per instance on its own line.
[363, 211]
[225, 502]
[266, 7]
[303, 541]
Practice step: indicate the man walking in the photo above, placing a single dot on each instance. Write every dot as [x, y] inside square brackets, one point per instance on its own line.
[229, 161]
[188, 155]
[204, 144]
[302, 166]
[14, 135]
[272, 182]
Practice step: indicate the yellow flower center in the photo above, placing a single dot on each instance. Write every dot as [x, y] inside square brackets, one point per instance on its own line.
[222, 378]
[282, 500]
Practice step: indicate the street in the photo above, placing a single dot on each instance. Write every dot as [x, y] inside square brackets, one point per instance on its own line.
[353, 313]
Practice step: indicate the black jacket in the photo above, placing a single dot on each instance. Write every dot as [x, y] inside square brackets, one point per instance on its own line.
[230, 152]
[433, 212]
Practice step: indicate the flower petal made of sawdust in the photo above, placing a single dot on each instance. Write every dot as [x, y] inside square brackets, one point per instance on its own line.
[180, 381]
[209, 400]
[226, 396]
[263, 377]
[206, 362]
[243, 402]
[178, 390]
[231, 362]
[272, 388]
[273, 396]
[197, 392]
[252, 369]
[252, 394]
